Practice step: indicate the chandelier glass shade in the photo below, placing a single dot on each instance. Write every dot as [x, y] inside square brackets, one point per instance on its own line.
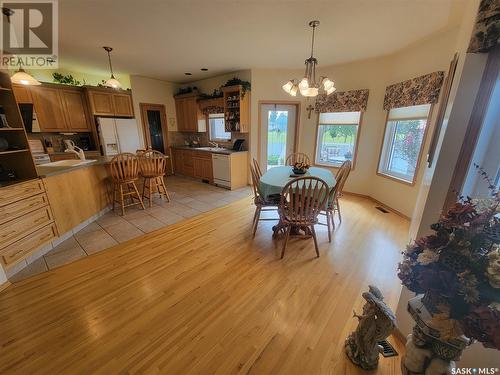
[23, 78]
[308, 86]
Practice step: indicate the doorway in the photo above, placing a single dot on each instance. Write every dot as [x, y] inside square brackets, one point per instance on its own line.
[154, 124]
[278, 133]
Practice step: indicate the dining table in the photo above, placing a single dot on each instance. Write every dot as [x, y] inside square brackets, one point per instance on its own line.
[274, 180]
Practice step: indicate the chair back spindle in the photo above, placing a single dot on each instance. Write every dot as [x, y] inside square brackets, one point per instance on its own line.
[297, 157]
[124, 167]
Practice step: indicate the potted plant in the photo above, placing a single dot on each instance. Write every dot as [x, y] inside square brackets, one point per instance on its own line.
[456, 273]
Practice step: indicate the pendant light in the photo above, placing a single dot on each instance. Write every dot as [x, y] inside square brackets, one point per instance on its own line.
[308, 86]
[23, 78]
[112, 81]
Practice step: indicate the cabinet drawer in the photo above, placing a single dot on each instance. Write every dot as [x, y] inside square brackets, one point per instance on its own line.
[19, 208]
[25, 246]
[20, 191]
[18, 228]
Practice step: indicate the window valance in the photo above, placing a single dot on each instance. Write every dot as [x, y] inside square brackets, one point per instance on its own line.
[421, 90]
[486, 32]
[212, 109]
[347, 101]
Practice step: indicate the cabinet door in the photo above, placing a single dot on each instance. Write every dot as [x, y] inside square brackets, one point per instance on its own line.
[22, 94]
[179, 112]
[188, 162]
[178, 162]
[191, 114]
[49, 109]
[123, 105]
[203, 168]
[76, 111]
[101, 103]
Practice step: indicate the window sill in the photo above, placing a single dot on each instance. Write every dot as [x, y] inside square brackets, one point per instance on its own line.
[316, 164]
[397, 179]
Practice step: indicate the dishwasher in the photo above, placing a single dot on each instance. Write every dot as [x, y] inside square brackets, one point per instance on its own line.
[222, 170]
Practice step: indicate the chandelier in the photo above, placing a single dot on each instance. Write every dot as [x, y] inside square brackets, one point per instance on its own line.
[112, 81]
[308, 86]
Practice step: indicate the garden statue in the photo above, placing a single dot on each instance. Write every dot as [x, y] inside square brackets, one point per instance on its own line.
[375, 324]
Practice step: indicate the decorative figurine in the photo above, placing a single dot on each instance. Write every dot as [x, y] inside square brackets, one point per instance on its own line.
[375, 324]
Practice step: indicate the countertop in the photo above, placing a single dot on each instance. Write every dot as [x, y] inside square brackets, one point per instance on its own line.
[44, 171]
[225, 151]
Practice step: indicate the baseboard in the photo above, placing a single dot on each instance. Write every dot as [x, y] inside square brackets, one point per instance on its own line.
[388, 208]
[4, 285]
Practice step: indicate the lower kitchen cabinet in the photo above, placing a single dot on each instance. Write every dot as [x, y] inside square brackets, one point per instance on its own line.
[230, 171]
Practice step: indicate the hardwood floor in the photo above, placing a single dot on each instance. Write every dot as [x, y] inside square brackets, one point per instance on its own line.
[203, 297]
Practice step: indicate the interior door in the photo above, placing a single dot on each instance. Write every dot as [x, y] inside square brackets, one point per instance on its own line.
[278, 131]
[154, 122]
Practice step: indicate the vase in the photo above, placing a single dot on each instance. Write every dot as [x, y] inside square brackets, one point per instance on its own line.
[427, 353]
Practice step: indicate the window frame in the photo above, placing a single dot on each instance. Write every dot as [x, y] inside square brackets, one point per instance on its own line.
[358, 136]
[419, 158]
[217, 140]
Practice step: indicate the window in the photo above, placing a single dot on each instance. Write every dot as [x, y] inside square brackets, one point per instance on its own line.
[216, 127]
[403, 140]
[337, 137]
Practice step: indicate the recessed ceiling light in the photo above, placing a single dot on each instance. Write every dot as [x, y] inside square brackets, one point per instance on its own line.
[187, 73]
[203, 69]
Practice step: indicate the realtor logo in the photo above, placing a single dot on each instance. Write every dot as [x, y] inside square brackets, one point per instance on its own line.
[29, 34]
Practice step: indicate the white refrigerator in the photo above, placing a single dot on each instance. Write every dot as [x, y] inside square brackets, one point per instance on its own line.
[118, 135]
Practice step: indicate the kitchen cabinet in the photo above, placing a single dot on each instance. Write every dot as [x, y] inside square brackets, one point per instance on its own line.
[110, 102]
[75, 108]
[22, 94]
[61, 109]
[188, 113]
[27, 221]
[202, 166]
[49, 109]
[199, 164]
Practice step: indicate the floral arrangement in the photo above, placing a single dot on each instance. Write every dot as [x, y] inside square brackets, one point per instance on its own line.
[457, 268]
[300, 167]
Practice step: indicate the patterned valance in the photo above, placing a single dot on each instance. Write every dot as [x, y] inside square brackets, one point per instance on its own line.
[347, 101]
[212, 109]
[486, 33]
[416, 91]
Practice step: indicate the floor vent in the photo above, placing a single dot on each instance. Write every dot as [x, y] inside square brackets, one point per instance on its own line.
[387, 349]
[382, 209]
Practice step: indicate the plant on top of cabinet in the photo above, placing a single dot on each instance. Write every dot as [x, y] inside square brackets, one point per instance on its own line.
[66, 80]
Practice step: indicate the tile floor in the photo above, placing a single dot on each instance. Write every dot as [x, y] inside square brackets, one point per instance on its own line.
[188, 198]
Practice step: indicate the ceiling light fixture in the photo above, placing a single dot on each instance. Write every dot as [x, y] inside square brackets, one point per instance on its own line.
[187, 74]
[203, 69]
[23, 78]
[112, 81]
[308, 86]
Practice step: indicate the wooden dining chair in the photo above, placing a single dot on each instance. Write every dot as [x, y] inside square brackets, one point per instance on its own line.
[261, 203]
[124, 173]
[332, 205]
[257, 167]
[302, 200]
[297, 157]
[152, 165]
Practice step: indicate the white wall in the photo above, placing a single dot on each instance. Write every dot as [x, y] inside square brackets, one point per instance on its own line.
[375, 74]
[153, 91]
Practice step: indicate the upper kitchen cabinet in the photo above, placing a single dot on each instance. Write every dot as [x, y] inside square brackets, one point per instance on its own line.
[60, 108]
[49, 108]
[22, 93]
[236, 109]
[110, 102]
[189, 116]
[75, 106]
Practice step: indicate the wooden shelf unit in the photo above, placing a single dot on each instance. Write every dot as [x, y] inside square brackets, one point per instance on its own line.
[19, 160]
[236, 109]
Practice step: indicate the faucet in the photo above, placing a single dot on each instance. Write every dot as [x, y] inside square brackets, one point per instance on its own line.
[216, 145]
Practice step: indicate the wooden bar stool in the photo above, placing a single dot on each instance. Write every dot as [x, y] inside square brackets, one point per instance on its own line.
[124, 172]
[152, 166]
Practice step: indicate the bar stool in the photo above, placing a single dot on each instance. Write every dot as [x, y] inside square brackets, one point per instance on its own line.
[124, 172]
[152, 166]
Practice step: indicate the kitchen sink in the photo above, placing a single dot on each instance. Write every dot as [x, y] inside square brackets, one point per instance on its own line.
[68, 163]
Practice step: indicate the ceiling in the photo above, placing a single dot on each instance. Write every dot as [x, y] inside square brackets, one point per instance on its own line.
[164, 39]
